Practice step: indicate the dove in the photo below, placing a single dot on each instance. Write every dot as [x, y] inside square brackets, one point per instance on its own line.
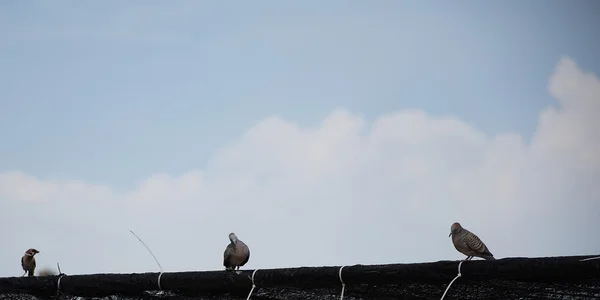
[28, 262]
[236, 253]
[468, 243]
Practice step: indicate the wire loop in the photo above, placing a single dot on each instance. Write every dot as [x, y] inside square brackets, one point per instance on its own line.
[253, 285]
[58, 283]
[457, 276]
[159, 276]
[343, 284]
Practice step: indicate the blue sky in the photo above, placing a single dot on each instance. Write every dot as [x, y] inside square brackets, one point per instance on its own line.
[163, 117]
[110, 91]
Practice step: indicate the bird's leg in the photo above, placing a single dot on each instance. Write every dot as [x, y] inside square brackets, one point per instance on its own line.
[238, 270]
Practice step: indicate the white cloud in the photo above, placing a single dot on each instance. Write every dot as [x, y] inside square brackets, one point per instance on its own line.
[344, 192]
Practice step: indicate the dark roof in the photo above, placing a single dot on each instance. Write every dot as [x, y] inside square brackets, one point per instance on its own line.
[508, 278]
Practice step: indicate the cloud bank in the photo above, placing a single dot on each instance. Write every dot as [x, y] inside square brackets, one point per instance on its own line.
[344, 192]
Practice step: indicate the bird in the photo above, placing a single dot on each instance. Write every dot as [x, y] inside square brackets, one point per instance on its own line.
[28, 262]
[236, 254]
[468, 243]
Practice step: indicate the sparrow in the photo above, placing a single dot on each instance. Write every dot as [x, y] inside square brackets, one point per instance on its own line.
[28, 262]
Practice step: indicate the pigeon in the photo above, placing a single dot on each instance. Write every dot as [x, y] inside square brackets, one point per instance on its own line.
[236, 254]
[468, 243]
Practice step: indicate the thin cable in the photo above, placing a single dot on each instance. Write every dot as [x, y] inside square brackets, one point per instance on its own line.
[159, 276]
[590, 258]
[61, 275]
[253, 285]
[343, 284]
[58, 283]
[459, 275]
[156, 260]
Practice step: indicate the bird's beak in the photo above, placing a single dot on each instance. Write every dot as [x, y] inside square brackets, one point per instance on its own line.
[450, 234]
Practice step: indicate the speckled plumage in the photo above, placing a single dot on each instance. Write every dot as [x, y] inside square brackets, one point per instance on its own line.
[236, 253]
[468, 243]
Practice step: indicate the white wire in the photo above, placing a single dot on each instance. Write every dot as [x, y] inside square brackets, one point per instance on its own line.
[590, 258]
[253, 285]
[343, 284]
[457, 276]
[58, 283]
[59, 278]
[159, 276]
[156, 260]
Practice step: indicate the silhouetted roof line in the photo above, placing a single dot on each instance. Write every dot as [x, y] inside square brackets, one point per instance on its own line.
[569, 273]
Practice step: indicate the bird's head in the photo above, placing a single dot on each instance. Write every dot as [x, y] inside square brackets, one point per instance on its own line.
[31, 252]
[455, 228]
[233, 238]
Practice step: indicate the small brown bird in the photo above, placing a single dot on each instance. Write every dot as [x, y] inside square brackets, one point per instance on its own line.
[468, 243]
[28, 262]
[236, 254]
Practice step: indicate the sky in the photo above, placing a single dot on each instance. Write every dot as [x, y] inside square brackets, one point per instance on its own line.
[321, 133]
